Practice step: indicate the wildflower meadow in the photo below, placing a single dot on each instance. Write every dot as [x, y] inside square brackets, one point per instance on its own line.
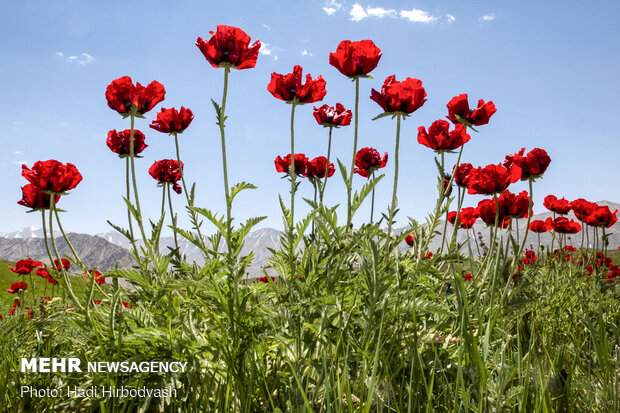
[346, 317]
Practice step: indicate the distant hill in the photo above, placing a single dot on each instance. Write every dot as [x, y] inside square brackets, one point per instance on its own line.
[104, 250]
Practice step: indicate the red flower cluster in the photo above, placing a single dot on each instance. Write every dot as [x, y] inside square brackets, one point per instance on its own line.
[290, 89]
[317, 167]
[167, 171]
[540, 226]
[23, 267]
[492, 179]
[314, 169]
[122, 95]
[514, 206]
[16, 287]
[119, 142]
[593, 214]
[409, 239]
[563, 225]
[467, 217]
[52, 176]
[368, 160]
[530, 257]
[301, 164]
[461, 174]
[355, 59]
[439, 138]
[487, 212]
[459, 112]
[266, 279]
[172, 120]
[533, 165]
[403, 97]
[559, 206]
[468, 277]
[99, 279]
[65, 264]
[33, 197]
[330, 116]
[229, 46]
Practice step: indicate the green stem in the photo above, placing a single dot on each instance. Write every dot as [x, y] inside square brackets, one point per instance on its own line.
[47, 245]
[135, 184]
[127, 185]
[190, 200]
[172, 215]
[527, 225]
[222, 126]
[329, 148]
[396, 149]
[372, 200]
[65, 276]
[292, 175]
[355, 130]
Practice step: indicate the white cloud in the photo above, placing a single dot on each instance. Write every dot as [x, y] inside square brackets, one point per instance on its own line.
[417, 16]
[450, 18]
[331, 7]
[487, 17]
[17, 152]
[83, 59]
[306, 53]
[358, 12]
[269, 51]
[266, 26]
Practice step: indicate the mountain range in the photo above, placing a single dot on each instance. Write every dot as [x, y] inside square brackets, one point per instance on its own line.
[106, 250]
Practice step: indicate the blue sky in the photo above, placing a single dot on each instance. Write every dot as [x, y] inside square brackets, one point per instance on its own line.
[550, 67]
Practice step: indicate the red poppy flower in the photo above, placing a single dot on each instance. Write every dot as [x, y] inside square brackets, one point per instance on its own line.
[559, 206]
[540, 226]
[409, 239]
[582, 208]
[15, 287]
[126, 304]
[354, 59]
[43, 272]
[563, 225]
[492, 179]
[317, 166]
[515, 206]
[122, 95]
[601, 216]
[439, 138]
[404, 97]
[98, 276]
[229, 46]
[266, 279]
[52, 176]
[172, 120]
[290, 89]
[119, 142]
[533, 165]
[462, 174]
[368, 160]
[33, 197]
[301, 164]
[446, 186]
[52, 280]
[468, 277]
[467, 217]
[65, 264]
[459, 112]
[486, 212]
[167, 171]
[26, 266]
[332, 116]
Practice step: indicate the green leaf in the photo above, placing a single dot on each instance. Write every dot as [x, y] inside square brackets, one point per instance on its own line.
[238, 188]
